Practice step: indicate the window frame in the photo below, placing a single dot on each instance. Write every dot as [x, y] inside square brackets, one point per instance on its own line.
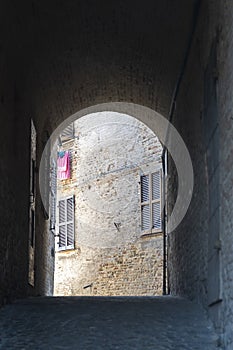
[151, 201]
[65, 223]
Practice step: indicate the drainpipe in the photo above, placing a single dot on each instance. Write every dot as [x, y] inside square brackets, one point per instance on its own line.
[164, 192]
[196, 10]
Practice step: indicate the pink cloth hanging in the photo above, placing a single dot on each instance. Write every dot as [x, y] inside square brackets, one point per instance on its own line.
[63, 166]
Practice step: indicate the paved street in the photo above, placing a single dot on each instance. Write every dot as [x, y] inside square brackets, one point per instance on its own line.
[94, 323]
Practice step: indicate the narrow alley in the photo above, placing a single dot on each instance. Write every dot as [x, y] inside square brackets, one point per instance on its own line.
[152, 226]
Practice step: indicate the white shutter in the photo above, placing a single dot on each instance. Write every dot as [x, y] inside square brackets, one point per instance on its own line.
[66, 223]
[144, 188]
[151, 201]
[156, 200]
[62, 236]
[62, 223]
[145, 207]
[70, 222]
[156, 185]
[156, 215]
[62, 211]
[145, 217]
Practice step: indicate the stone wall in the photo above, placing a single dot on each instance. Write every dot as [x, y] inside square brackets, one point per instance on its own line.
[13, 168]
[211, 206]
[134, 269]
[188, 244]
[109, 153]
[225, 88]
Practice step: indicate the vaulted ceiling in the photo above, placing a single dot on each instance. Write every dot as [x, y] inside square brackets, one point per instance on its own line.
[86, 52]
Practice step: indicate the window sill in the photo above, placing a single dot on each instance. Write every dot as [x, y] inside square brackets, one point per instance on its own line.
[65, 250]
[152, 234]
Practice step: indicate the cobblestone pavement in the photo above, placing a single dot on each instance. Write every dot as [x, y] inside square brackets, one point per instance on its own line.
[94, 323]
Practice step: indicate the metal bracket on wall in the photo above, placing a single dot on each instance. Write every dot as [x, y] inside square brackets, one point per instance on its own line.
[117, 225]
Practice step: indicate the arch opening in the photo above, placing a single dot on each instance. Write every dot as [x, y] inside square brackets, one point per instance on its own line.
[152, 121]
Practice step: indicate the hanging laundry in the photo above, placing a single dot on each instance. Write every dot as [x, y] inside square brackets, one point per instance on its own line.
[63, 165]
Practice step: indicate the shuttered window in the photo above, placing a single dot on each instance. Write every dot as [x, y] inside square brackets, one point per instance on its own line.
[151, 194]
[68, 133]
[66, 223]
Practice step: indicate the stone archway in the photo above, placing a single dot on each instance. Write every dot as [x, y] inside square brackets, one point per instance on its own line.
[167, 135]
